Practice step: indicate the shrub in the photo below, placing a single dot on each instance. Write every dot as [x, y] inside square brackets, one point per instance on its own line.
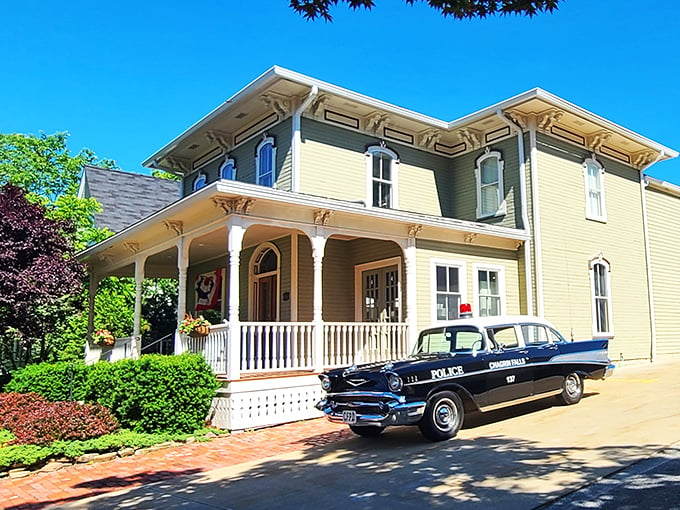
[34, 420]
[55, 381]
[155, 393]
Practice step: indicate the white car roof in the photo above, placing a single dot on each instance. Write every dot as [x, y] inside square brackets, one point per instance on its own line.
[497, 320]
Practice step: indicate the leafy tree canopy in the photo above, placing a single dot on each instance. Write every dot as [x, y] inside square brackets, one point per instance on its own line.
[38, 271]
[458, 9]
[46, 170]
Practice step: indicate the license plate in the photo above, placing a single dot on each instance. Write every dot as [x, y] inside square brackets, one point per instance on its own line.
[349, 417]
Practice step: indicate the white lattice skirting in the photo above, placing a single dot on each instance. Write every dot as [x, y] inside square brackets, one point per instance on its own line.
[248, 404]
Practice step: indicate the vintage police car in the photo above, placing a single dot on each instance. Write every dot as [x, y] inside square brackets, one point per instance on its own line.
[465, 365]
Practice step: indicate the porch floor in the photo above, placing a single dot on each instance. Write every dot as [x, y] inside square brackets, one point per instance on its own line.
[267, 375]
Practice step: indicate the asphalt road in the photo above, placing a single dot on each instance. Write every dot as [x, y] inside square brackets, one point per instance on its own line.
[618, 448]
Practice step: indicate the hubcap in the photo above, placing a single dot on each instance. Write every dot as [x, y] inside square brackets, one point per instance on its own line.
[573, 386]
[445, 415]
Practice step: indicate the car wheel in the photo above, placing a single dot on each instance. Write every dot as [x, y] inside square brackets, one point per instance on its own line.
[572, 389]
[443, 416]
[366, 431]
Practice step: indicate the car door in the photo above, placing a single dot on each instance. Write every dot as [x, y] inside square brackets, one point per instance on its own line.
[508, 375]
[541, 344]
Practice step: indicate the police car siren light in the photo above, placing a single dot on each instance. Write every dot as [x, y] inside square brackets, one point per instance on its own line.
[465, 310]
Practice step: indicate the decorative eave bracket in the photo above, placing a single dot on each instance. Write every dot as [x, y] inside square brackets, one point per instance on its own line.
[238, 205]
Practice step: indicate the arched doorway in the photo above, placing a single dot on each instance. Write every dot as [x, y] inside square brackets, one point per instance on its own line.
[265, 268]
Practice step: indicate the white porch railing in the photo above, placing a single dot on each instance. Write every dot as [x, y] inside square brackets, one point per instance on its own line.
[276, 346]
[286, 346]
[346, 343]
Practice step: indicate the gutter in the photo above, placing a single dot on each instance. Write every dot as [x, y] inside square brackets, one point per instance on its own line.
[525, 215]
[648, 257]
[296, 139]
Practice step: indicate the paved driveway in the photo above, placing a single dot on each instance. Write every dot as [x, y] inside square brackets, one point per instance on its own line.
[525, 457]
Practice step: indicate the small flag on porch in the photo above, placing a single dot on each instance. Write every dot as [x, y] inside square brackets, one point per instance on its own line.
[209, 290]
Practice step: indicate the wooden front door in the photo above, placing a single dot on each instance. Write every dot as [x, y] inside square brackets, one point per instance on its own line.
[265, 299]
[380, 294]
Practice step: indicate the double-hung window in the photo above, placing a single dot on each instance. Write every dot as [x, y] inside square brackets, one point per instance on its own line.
[593, 174]
[228, 169]
[490, 290]
[489, 175]
[265, 162]
[600, 277]
[448, 290]
[382, 177]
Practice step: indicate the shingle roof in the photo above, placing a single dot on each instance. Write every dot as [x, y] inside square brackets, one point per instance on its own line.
[126, 198]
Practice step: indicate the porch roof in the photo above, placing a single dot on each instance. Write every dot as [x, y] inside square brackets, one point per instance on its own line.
[202, 215]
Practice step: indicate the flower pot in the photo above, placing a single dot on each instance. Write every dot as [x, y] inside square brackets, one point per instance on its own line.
[199, 331]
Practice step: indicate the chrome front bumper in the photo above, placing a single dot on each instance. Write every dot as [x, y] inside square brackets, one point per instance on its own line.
[386, 409]
[609, 371]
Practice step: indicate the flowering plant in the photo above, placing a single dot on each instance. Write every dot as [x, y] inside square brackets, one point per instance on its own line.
[191, 324]
[103, 337]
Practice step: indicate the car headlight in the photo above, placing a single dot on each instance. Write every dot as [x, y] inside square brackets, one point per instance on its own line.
[325, 382]
[394, 382]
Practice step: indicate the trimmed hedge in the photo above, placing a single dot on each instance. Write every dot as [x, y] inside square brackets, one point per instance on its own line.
[57, 382]
[154, 393]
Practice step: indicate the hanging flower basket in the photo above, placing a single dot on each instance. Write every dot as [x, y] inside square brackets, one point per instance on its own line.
[103, 337]
[194, 327]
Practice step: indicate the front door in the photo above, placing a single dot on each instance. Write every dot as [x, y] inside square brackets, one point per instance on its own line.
[380, 294]
[265, 299]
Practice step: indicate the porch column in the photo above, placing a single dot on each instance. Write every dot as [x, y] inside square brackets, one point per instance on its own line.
[235, 240]
[91, 357]
[137, 327]
[182, 265]
[318, 247]
[411, 312]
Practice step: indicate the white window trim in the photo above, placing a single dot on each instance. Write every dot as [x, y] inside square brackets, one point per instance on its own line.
[224, 164]
[591, 215]
[502, 204]
[461, 265]
[476, 268]
[358, 296]
[252, 278]
[196, 179]
[394, 173]
[601, 260]
[265, 141]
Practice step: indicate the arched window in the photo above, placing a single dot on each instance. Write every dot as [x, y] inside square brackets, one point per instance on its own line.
[265, 268]
[593, 175]
[382, 168]
[600, 280]
[200, 181]
[265, 162]
[489, 175]
[228, 169]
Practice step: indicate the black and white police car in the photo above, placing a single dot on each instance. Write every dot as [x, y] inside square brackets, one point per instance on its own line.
[465, 365]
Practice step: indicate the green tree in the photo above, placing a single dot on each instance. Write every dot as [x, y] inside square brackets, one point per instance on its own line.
[49, 173]
[457, 9]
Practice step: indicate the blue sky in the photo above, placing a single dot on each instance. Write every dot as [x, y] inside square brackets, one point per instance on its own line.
[124, 78]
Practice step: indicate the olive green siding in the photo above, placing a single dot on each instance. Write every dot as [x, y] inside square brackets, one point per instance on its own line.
[244, 159]
[663, 212]
[470, 255]
[333, 164]
[464, 185]
[570, 241]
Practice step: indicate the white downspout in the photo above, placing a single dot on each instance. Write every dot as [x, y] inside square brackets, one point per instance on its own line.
[525, 216]
[296, 138]
[648, 256]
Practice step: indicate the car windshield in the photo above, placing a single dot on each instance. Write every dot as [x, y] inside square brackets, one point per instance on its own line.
[459, 339]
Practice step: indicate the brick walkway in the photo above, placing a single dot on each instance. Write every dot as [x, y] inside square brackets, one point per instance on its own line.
[80, 481]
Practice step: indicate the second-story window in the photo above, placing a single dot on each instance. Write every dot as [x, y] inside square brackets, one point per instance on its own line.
[382, 177]
[265, 162]
[593, 175]
[228, 169]
[200, 181]
[489, 175]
